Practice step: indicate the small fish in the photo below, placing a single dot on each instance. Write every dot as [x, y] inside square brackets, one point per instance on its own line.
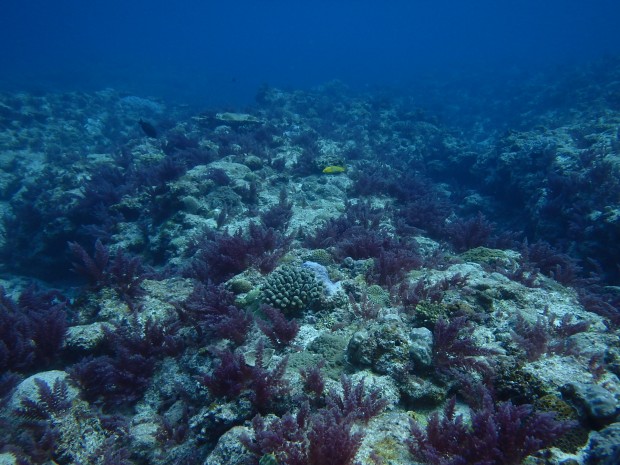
[334, 169]
[148, 129]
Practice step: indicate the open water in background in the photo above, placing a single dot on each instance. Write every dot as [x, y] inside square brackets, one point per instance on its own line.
[209, 53]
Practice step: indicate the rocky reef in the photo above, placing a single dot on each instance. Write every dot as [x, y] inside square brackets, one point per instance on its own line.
[211, 293]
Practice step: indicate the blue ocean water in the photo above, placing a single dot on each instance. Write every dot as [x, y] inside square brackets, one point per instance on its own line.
[205, 53]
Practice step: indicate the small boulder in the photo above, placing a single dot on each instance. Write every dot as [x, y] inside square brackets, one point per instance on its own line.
[597, 403]
[421, 347]
[604, 448]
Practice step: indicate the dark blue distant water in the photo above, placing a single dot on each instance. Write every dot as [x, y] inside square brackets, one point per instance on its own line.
[206, 53]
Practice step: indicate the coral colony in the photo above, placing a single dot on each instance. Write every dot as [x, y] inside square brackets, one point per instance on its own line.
[360, 287]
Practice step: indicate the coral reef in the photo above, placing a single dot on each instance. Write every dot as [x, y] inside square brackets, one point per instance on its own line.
[211, 295]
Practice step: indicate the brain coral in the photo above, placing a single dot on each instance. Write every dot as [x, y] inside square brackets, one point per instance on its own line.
[292, 289]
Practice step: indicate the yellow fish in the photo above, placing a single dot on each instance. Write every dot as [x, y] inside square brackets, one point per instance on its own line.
[334, 169]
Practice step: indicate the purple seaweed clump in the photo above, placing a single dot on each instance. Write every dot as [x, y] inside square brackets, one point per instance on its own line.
[603, 303]
[536, 339]
[114, 380]
[277, 327]
[218, 176]
[470, 233]
[497, 434]
[326, 436]
[360, 215]
[123, 273]
[393, 263]
[532, 338]
[220, 256]
[122, 377]
[279, 216]
[233, 377]
[93, 268]
[424, 206]
[212, 311]
[455, 349]
[323, 438]
[357, 234]
[284, 439]
[230, 377]
[331, 439]
[392, 257]
[32, 330]
[355, 404]
[313, 380]
[8, 382]
[409, 295]
[542, 257]
[50, 401]
[35, 438]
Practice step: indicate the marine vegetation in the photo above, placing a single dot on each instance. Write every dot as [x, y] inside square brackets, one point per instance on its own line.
[291, 285]
[326, 436]
[32, 329]
[497, 433]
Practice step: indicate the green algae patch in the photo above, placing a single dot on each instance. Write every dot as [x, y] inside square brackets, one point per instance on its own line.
[484, 255]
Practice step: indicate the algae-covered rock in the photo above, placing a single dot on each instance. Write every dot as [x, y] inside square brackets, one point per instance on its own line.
[384, 347]
[427, 313]
[484, 255]
[79, 435]
[599, 405]
[29, 390]
[240, 285]
[421, 347]
[229, 448]
[377, 295]
[513, 382]
[237, 118]
[605, 446]
[577, 436]
[253, 162]
[321, 256]
[85, 337]
[331, 348]
[418, 392]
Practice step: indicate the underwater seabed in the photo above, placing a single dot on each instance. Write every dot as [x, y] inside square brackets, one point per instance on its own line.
[328, 277]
